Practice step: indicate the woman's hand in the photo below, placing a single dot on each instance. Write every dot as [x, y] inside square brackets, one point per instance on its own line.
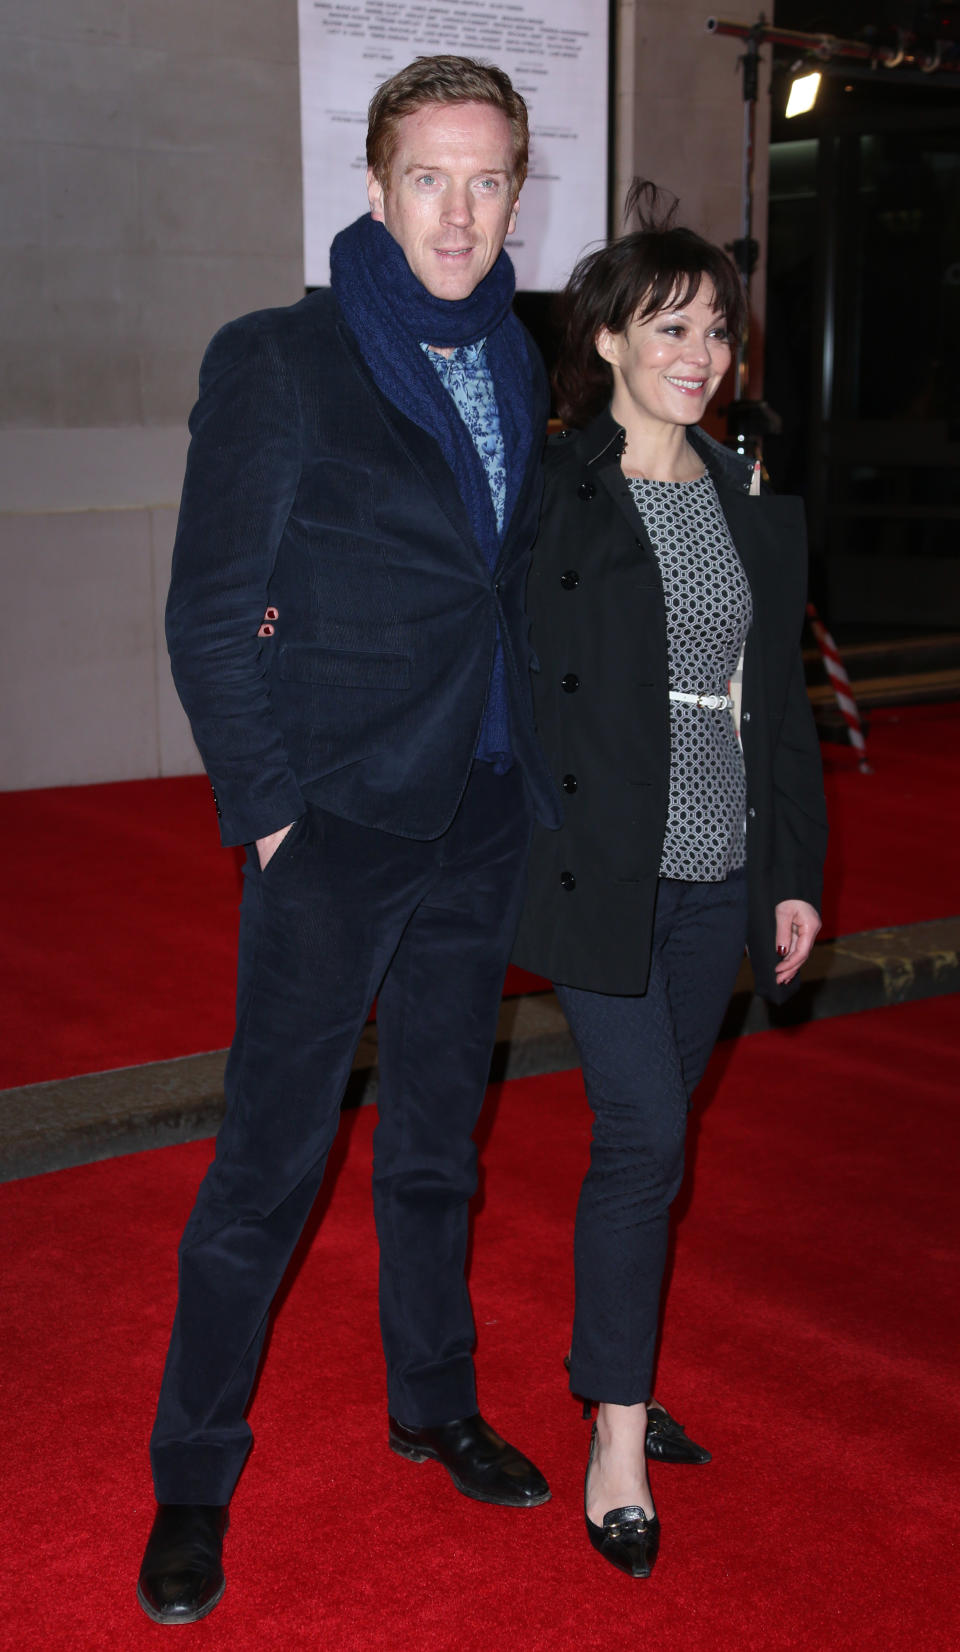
[797, 926]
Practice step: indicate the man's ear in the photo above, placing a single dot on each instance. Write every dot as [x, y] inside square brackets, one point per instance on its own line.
[607, 345]
[513, 216]
[375, 194]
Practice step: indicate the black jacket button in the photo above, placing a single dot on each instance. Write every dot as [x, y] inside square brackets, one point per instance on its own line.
[567, 881]
[570, 683]
[570, 580]
[569, 783]
[586, 490]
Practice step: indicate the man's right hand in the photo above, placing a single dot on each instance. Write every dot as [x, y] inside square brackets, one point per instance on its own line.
[267, 846]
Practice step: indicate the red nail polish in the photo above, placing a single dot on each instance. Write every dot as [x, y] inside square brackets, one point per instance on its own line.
[781, 952]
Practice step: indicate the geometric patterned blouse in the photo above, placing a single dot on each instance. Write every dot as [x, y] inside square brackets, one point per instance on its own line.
[709, 610]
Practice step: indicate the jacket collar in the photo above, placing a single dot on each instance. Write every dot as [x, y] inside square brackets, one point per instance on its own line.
[601, 442]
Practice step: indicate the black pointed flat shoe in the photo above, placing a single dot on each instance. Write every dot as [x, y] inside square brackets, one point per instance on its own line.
[181, 1578]
[628, 1538]
[478, 1461]
[667, 1440]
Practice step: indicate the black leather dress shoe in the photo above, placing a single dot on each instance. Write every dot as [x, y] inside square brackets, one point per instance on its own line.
[478, 1461]
[181, 1578]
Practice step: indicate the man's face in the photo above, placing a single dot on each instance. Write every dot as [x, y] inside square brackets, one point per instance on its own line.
[450, 200]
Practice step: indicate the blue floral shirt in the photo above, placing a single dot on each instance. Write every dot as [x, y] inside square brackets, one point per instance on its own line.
[468, 378]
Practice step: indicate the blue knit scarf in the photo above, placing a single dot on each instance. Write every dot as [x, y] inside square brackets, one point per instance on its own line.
[390, 314]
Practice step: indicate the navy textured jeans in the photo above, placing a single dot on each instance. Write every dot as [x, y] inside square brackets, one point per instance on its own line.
[341, 913]
[642, 1057]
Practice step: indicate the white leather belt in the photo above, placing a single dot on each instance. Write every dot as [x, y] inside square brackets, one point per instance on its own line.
[707, 702]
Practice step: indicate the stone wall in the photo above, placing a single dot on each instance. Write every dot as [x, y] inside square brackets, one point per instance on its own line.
[150, 177]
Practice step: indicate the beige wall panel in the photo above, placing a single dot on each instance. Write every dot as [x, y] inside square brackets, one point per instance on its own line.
[151, 180]
[249, 28]
[216, 103]
[91, 318]
[78, 671]
[85, 20]
[91, 197]
[200, 201]
[89, 93]
[19, 92]
[29, 385]
[21, 220]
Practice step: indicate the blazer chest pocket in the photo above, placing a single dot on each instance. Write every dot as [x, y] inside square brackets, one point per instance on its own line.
[343, 667]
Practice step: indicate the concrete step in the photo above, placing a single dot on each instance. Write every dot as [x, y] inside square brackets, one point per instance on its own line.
[889, 656]
[45, 1127]
[909, 689]
[892, 671]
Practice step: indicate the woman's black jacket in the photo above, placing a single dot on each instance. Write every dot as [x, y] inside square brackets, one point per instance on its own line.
[599, 635]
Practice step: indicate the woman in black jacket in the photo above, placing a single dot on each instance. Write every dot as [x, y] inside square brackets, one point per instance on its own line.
[664, 583]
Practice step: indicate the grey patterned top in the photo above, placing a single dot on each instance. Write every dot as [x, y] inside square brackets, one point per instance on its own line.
[708, 615]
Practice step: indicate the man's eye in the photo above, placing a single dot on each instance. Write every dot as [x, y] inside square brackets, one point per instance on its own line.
[427, 178]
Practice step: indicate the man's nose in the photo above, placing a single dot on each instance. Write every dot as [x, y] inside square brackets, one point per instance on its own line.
[458, 206]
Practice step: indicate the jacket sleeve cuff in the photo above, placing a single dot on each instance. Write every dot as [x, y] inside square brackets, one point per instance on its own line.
[244, 819]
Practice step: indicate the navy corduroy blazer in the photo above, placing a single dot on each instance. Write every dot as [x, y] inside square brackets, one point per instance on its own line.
[307, 491]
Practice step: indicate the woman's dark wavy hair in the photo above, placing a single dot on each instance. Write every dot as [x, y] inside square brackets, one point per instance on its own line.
[658, 265]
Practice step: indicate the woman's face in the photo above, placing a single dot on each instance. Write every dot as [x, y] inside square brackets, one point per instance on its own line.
[667, 367]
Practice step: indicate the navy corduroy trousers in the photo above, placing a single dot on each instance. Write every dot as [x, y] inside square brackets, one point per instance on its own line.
[343, 913]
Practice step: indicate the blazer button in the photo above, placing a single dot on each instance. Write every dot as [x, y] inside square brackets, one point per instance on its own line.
[752, 814]
[570, 580]
[570, 683]
[569, 783]
[567, 881]
[746, 717]
[586, 490]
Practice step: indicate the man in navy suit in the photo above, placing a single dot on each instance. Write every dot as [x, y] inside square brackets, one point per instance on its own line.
[346, 631]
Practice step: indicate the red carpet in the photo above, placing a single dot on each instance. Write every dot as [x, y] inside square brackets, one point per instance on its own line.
[118, 944]
[810, 1341]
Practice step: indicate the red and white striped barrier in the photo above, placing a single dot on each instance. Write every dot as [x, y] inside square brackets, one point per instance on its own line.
[840, 683]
